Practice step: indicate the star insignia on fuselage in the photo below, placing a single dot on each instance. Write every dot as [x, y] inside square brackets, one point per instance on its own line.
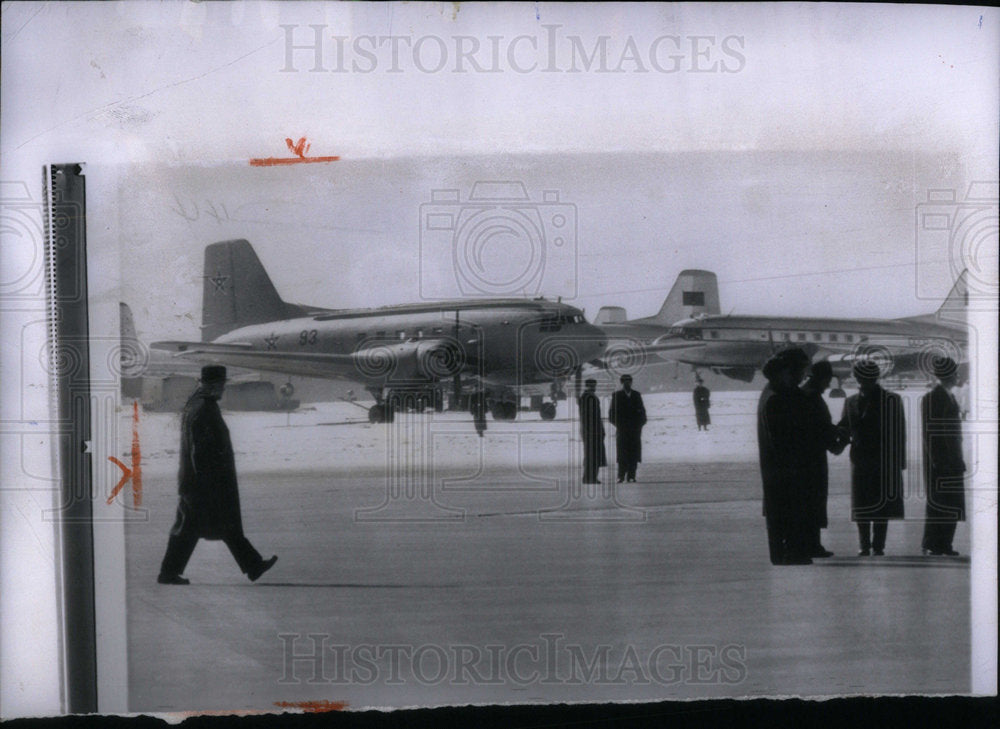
[219, 282]
[271, 341]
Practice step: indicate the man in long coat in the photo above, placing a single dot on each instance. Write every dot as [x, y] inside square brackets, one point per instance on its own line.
[874, 417]
[819, 435]
[209, 505]
[592, 433]
[944, 466]
[628, 415]
[702, 402]
[779, 440]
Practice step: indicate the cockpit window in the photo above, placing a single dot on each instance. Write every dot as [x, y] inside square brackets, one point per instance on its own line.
[551, 323]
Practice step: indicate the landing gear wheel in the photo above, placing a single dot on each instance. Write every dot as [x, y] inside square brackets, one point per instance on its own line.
[547, 411]
[381, 413]
[504, 410]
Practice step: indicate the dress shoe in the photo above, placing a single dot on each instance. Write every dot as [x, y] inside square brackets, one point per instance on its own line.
[820, 552]
[878, 552]
[621, 480]
[949, 552]
[172, 580]
[265, 564]
[865, 553]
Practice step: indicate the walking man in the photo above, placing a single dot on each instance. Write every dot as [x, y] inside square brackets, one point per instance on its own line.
[628, 415]
[209, 505]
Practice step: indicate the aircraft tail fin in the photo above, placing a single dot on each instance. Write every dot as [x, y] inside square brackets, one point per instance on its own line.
[126, 323]
[237, 291]
[694, 292]
[953, 309]
[610, 315]
[956, 303]
[133, 355]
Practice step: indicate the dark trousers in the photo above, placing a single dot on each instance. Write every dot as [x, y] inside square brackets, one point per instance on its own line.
[788, 539]
[872, 533]
[938, 535]
[592, 458]
[179, 549]
[626, 469]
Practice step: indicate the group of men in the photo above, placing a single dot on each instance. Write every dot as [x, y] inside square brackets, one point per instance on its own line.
[628, 414]
[795, 432]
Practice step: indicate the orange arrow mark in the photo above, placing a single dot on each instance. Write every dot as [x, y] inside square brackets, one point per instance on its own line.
[134, 473]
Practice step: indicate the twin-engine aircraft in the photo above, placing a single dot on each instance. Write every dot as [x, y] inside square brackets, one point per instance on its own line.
[407, 355]
[738, 346]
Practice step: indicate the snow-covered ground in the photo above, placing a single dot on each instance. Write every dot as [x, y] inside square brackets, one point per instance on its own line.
[337, 435]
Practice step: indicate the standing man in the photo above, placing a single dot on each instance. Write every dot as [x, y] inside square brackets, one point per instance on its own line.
[592, 433]
[944, 466]
[209, 505]
[779, 439]
[874, 417]
[701, 404]
[820, 435]
[628, 415]
[477, 406]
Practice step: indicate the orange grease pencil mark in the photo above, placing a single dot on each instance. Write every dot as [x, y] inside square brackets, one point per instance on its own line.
[313, 707]
[299, 149]
[134, 473]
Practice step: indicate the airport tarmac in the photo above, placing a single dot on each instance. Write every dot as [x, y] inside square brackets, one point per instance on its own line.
[516, 585]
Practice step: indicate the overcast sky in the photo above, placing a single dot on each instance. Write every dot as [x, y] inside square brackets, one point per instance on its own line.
[786, 147]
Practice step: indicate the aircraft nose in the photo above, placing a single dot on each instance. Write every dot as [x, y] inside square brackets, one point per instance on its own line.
[595, 341]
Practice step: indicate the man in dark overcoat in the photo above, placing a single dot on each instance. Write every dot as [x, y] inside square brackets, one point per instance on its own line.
[779, 440]
[592, 432]
[877, 426]
[477, 406]
[702, 402]
[944, 465]
[628, 415]
[209, 506]
[819, 435]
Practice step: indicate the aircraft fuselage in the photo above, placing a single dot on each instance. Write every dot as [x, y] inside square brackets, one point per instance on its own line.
[502, 342]
[750, 340]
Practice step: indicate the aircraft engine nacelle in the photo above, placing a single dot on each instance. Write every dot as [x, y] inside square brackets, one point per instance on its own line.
[743, 374]
[429, 360]
[439, 360]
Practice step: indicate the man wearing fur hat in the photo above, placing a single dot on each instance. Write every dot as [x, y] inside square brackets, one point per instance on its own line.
[944, 467]
[782, 459]
[209, 505]
[874, 417]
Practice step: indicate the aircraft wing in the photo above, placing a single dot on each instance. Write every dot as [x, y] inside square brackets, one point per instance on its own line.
[623, 351]
[413, 359]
